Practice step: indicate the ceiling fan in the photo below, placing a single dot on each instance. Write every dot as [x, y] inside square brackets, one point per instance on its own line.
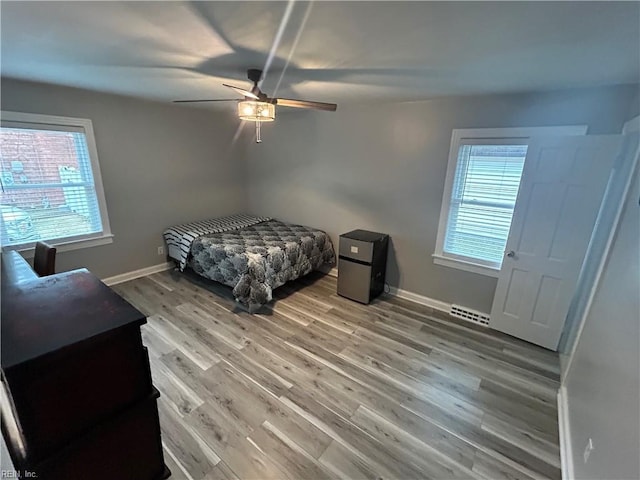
[258, 107]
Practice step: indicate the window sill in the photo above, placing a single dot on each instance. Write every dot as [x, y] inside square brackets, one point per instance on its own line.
[466, 266]
[28, 251]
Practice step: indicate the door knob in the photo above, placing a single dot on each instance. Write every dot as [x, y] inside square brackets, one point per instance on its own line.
[511, 254]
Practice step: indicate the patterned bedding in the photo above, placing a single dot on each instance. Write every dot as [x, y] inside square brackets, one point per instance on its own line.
[180, 237]
[256, 259]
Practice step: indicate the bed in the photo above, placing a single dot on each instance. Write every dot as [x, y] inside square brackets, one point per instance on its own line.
[253, 255]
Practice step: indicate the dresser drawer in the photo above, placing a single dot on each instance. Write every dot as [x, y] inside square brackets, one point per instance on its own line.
[58, 397]
[126, 447]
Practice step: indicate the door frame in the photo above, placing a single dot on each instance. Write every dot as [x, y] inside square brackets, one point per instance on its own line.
[632, 126]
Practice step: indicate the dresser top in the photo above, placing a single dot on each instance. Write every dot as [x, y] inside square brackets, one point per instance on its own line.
[48, 314]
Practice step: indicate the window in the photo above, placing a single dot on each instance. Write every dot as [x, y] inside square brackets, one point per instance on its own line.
[483, 178]
[482, 201]
[51, 183]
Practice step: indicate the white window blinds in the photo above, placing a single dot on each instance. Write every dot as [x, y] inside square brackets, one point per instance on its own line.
[48, 186]
[483, 197]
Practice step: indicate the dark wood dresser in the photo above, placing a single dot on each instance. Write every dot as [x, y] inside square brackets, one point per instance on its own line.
[77, 397]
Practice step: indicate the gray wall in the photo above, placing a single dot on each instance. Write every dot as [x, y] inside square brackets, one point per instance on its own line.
[375, 167]
[602, 384]
[161, 165]
[382, 167]
[634, 106]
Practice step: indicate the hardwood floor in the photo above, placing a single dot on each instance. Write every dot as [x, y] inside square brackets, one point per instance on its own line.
[318, 386]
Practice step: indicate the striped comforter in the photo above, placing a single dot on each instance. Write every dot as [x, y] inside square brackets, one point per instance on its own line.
[180, 237]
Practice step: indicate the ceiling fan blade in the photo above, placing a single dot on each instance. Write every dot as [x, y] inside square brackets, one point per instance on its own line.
[216, 100]
[290, 102]
[242, 91]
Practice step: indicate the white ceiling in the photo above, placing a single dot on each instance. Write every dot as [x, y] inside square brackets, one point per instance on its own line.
[345, 50]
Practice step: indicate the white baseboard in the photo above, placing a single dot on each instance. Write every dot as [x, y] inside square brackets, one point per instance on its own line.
[414, 297]
[421, 299]
[566, 456]
[143, 272]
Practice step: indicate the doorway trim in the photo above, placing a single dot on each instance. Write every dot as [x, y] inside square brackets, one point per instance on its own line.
[632, 126]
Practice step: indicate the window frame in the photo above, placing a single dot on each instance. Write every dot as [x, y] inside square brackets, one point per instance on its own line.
[483, 136]
[11, 119]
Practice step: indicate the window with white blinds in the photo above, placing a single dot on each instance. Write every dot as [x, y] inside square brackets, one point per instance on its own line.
[50, 179]
[484, 172]
[483, 197]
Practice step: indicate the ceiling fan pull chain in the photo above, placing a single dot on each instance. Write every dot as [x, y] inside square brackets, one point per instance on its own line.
[258, 138]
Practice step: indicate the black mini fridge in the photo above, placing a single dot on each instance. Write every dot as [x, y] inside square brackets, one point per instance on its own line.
[362, 263]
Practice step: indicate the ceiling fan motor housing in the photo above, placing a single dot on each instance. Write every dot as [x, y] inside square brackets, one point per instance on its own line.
[254, 75]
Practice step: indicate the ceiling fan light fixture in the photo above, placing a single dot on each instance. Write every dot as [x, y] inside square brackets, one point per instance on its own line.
[256, 111]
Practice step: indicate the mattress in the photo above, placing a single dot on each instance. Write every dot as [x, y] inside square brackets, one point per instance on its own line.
[258, 258]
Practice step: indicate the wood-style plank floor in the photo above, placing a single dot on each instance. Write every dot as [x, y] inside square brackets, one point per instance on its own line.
[318, 386]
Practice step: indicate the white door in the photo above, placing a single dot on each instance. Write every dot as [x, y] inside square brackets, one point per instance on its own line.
[562, 187]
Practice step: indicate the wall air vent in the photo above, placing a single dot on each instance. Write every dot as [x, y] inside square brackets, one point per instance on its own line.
[469, 315]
